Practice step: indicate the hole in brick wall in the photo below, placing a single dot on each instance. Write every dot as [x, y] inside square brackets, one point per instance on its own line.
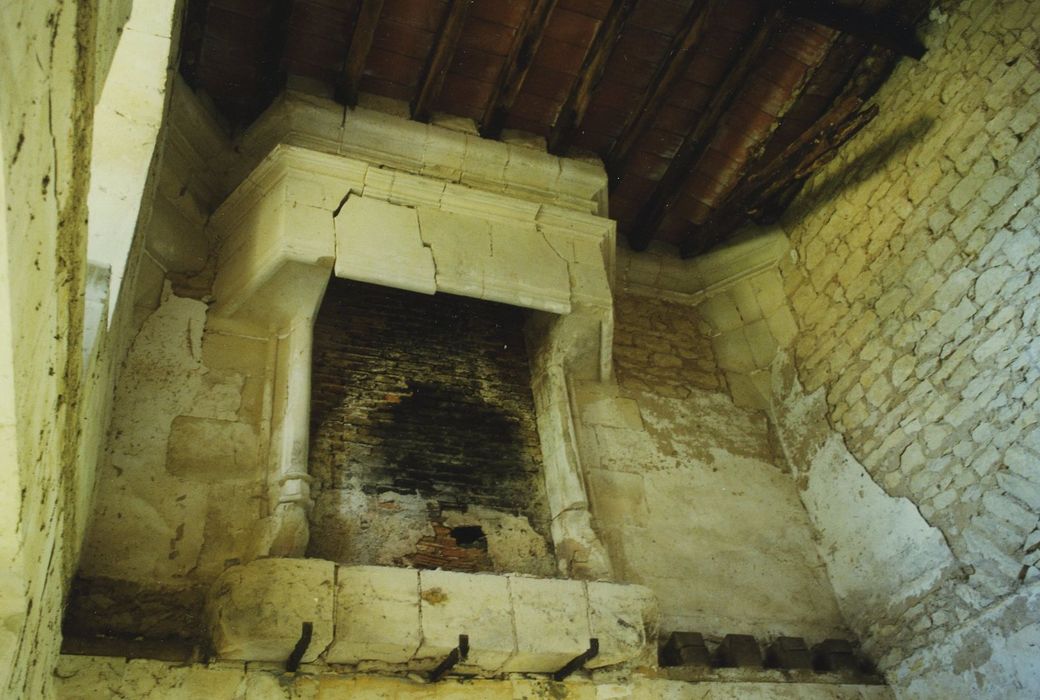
[469, 536]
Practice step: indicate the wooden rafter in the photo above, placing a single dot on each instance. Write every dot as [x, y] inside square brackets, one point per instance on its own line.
[439, 60]
[526, 40]
[867, 78]
[697, 140]
[878, 29]
[667, 74]
[195, 16]
[357, 54]
[759, 151]
[816, 147]
[577, 103]
[276, 36]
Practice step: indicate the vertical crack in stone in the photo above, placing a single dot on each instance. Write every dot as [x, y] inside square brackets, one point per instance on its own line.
[427, 246]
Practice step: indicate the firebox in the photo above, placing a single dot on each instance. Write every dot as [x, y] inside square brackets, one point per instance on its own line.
[424, 446]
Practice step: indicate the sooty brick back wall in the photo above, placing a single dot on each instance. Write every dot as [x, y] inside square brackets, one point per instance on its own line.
[421, 407]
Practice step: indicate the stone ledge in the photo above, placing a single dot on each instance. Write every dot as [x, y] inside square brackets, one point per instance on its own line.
[81, 677]
[374, 617]
[256, 612]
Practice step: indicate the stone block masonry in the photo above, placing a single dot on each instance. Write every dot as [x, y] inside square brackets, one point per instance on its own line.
[395, 618]
[915, 281]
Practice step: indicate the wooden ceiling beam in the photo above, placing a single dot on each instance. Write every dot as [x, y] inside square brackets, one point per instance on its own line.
[526, 40]
[867, 78]
[440, 58]
[816, 147]
[192, 38]
[877, 29]
[759, 151]
[696, 142]
[670, 70]
[357, 54]
[276, 37]
[577, 103]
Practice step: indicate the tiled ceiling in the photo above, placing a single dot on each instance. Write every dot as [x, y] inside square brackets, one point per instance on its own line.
[707, 113]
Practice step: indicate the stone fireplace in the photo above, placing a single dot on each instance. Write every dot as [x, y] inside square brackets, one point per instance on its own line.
[374, 374]
[420, 411]
[507, 230]
[388, 306]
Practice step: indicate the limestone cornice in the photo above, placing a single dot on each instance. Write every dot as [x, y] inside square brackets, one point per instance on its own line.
[667, 277]
[332, 177]
[435, 152]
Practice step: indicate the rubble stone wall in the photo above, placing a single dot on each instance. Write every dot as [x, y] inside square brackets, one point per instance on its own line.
[656, 354]
[914, 280]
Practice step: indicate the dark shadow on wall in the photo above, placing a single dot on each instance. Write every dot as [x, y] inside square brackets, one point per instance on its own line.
[828, 188]
[858, 169]
[449, 444]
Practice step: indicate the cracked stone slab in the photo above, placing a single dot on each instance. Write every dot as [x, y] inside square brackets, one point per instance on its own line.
[379, 243]
[461, 247]
[525, 270]
[476, 605]
[497, 261]
[552, 623]
[377, 615]
[624, 618]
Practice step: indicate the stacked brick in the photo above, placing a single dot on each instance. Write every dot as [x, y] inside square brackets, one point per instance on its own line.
[664, 347]
[442, 550]
[915, 279]
[413, 394]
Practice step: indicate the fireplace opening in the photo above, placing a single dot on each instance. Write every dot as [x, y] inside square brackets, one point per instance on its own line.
[424, 446]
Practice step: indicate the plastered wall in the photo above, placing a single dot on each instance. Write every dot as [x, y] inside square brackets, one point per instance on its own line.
[686, 488]
[47, 89]
[55, 378]
[914, 281]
